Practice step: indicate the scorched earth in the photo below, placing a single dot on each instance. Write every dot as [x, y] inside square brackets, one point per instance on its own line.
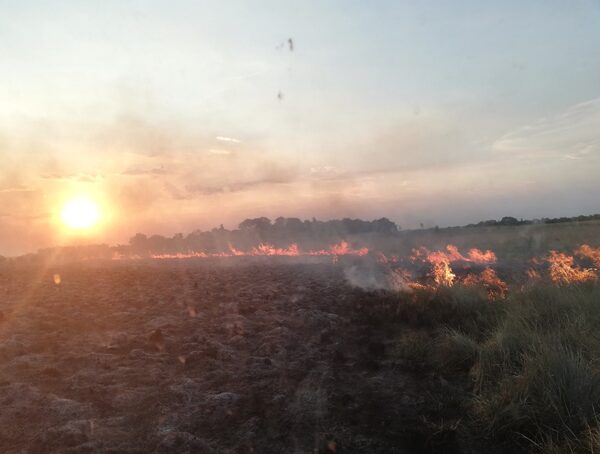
[195, 356]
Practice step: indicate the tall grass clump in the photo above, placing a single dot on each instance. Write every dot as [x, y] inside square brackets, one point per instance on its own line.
[536, 382]
[466, 309]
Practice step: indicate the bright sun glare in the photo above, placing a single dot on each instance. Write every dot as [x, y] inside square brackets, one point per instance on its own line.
[80, 213]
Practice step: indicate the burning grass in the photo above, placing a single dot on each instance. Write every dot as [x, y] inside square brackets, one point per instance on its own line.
[266, 250]
[428, 269]
[563, 271]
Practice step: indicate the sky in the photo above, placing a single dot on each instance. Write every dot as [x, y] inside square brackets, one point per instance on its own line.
[183, 115]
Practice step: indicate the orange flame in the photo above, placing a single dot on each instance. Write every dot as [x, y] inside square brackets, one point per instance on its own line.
[453, 255]
[440, 261]
[266, 249]
[563, 271]
[496, 287]
[586, 251]
[478, 256]
[533, 275]
[341, 248]
[441, 272]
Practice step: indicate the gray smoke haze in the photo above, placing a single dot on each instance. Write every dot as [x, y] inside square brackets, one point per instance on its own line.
[368, 274]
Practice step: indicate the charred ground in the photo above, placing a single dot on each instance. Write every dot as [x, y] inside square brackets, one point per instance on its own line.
[186, 357]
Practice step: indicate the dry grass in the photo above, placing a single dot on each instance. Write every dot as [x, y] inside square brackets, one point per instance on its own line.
[533, 367]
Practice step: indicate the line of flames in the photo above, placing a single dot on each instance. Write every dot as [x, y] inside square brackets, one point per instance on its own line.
[262, 250]
[561, 267]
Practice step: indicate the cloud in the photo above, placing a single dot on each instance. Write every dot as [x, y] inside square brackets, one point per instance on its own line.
[16, 188]
[137, 171]
[28, 217]
[82, 177]
[326, 172]
[235, 186]
[228, 139]
[218, 151]
[572, 134]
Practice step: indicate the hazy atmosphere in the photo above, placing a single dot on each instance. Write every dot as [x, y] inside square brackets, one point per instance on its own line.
[327, 227]
[174, 116]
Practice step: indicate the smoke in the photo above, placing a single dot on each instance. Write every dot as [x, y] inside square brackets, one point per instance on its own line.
[369, 274]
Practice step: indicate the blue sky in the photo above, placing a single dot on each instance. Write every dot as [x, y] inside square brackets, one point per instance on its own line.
[435, 112]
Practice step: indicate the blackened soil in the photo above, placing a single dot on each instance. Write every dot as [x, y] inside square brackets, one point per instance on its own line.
[182, 357]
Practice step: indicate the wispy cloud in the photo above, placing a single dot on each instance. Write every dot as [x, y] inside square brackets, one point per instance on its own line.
[136, 171]
[194, 189]
[228, 139]
[16, 188]
[82, 177]
[219, 151]
[28, 217]
[326, 172]
[572, 134]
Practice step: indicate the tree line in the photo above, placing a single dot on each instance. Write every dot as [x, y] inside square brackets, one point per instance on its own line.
[307, 234]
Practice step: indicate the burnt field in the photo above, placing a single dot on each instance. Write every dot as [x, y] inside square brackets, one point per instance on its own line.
[189, 356]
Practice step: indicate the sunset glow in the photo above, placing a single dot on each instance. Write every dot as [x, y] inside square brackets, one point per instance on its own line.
[256, 227]
[80, 213]
[453, 129]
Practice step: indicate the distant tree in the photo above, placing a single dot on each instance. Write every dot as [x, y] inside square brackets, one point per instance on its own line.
[159, 244]
[139, 243]
[259, 224]
[509, 220]
[295, 226]
[489, 222]
[279, 223]
[384, 225]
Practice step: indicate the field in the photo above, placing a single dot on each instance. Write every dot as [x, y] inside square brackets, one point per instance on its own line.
[182, 357]
[275, 355]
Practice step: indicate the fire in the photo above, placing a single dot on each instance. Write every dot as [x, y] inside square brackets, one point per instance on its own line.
[443, 275]
[341, 248]
[588, 252]
[235, 252]
[440, 261]
[453, 255]
[563, 271]
[478, 256]
[441, 272]
[442, 268]
[533, 275]
[268, 250]
[488, 279]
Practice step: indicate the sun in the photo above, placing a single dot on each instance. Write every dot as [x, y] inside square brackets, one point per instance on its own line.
[80, 213]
